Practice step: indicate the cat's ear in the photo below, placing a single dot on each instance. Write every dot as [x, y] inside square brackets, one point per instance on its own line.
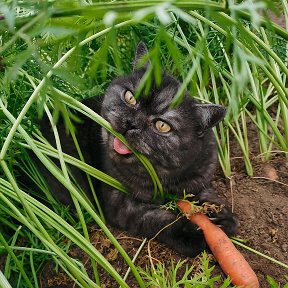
[209, 115]
[141, 51]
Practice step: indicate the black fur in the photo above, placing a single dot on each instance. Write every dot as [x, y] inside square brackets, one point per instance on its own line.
[184, 158]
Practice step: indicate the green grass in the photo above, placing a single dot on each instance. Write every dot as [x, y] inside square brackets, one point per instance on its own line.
[166, 277]
[54, 54]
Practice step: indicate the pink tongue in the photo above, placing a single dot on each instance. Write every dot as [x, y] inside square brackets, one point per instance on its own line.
[120, 148]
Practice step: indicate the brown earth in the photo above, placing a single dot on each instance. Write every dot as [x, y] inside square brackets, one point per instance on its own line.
[260, 203]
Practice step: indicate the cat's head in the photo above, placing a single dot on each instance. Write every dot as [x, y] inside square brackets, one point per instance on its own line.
[171, 138]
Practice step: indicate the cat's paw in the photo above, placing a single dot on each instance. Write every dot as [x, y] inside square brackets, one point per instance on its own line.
[186, 238]
[227, 220]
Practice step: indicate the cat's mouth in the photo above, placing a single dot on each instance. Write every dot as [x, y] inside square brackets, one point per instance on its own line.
[121, 148]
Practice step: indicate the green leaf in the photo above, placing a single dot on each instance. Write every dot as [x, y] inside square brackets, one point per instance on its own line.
[272, 282]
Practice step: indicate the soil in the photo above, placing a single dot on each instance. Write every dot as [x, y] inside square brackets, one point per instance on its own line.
[261, 203]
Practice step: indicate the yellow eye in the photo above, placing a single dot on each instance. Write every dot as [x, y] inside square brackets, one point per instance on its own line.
[162, 126]
[129, 98]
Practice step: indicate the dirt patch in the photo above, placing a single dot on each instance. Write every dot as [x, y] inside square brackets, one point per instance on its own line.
[261, 205]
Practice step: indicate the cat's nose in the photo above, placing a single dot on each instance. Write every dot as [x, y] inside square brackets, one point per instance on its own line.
[132, 124]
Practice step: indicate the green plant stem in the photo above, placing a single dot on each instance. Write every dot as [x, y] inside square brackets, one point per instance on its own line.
[66, 175]
[76, 203]
[265, 133]
[283, 92]
[97, 118]
[58, 223]
[248, 164]
[42, 234]
[146, 163]
[258, 94]
[83, 279]
[243, 144]
[177, 99]
[135, 258]
[15, 259]
[33, 270]
[259, 253]
[63, 180]
[44, 213]
[88, 176]
[3, 281]
[283, 107]
[8, 259]
[257, 40]
[100, 9]
[30, 212]
[65, 171]
[223, 144]
[52, 152]
[263, 22]
[267, 117]
[21, 31]
[35, 94]
[28, 249]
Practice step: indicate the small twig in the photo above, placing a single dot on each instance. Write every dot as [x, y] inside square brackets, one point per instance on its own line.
[236, 157]
[259, 253]
[135, 257]
[231, 192]
[270, 152]
[148, 246]
[265, 178]
[127, 237]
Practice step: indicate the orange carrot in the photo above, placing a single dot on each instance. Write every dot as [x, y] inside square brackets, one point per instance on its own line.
[229, 258]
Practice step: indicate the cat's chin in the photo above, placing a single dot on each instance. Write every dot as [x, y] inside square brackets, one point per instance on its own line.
[123, 159]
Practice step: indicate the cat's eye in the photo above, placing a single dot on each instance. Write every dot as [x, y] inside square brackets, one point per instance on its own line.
[162, 126]
[129, 98]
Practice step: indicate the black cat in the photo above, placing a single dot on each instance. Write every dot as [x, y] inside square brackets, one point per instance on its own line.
[178, 142]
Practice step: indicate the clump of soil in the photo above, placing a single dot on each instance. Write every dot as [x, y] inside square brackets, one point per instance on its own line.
[259, 202]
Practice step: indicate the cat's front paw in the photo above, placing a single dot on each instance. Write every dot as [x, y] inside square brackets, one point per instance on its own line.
[186, 238]
[227, 220]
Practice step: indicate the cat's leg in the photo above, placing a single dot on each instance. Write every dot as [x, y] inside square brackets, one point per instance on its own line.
[147, 220]
[225, 218]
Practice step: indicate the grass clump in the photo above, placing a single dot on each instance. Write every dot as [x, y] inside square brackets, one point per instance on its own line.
[201, 276]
